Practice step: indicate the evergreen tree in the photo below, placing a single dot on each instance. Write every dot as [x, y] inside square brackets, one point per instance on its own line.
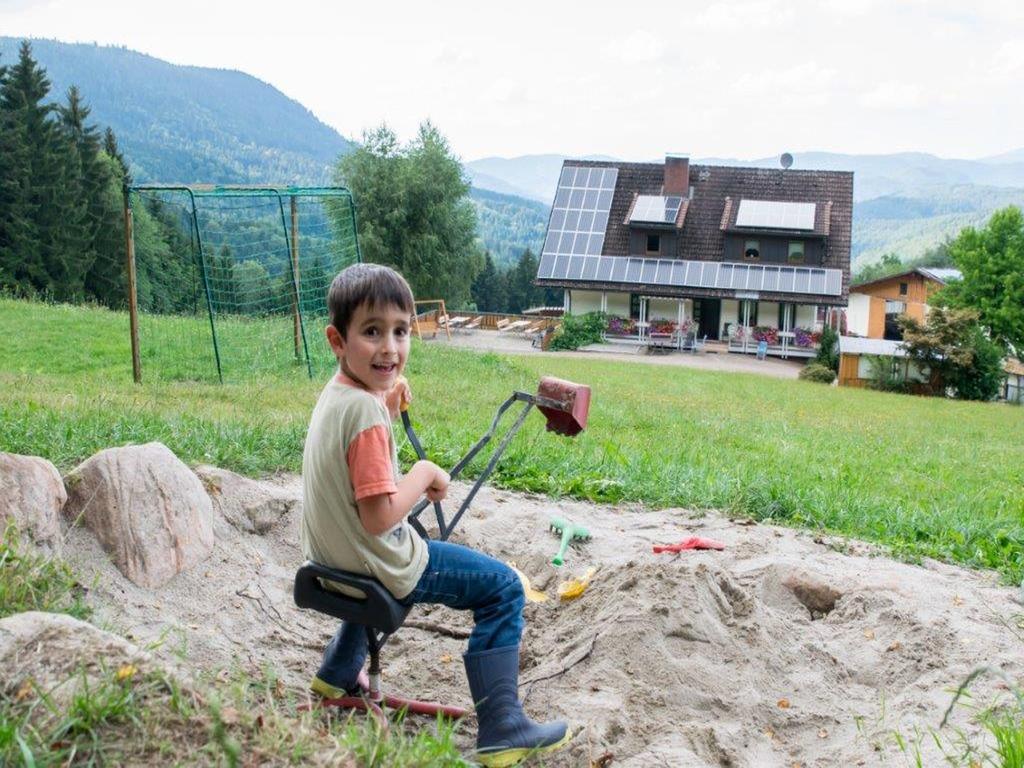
[25, 129]
[15, 222]
[522, 293]
[113, 151]
[488, 289]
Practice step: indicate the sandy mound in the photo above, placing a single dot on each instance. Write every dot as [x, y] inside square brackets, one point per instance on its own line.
[768, 653]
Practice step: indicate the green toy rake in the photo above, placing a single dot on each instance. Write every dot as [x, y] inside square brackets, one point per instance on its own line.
[569, 533]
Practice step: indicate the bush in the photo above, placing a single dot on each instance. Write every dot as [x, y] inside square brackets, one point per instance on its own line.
[828, 352]
[887, 374]
[579, 330]
[818, 372]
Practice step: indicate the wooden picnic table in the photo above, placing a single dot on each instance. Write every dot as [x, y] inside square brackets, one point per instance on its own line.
[517, 325]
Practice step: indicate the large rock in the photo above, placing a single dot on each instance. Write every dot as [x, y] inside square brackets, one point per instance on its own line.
[60, 655]
[248, 505]
[148, 510]
[32, 494]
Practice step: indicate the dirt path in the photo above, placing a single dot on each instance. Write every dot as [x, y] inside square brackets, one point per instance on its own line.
[700, 658]
[492, 341]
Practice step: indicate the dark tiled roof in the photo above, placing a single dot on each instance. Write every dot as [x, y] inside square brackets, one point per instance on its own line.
[714, 201]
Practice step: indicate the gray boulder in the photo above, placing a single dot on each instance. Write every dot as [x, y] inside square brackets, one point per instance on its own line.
[146, 507]
[32, 494]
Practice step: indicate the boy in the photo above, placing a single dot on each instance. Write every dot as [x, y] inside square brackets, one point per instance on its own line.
[355, 508]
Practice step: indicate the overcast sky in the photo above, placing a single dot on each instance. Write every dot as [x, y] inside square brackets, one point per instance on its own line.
[632, 79]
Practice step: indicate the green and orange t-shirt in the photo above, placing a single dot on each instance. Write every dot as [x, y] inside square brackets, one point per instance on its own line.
[350, 455]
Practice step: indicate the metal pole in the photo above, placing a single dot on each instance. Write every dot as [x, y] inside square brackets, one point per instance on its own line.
[295, 286]
[206, 284]
[133, 301]
[295, 270]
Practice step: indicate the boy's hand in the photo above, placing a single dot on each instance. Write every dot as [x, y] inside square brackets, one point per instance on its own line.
[400, 394]
[438, 487]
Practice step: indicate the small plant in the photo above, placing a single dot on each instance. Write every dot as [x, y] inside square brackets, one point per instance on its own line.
[766, 333]
[817, 372]
[805, 337]
[887, 374]
[621, 326]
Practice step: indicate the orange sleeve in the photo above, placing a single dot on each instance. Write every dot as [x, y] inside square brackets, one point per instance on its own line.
[369, 463]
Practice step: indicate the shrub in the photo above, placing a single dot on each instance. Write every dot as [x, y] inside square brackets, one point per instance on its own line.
[818, 372]
[828, 352]
[579, 330]
[888, 374]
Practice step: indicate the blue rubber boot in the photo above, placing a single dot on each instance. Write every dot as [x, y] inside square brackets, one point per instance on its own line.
[505, 735]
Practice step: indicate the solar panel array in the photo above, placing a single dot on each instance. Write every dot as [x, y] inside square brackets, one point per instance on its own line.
[774, 214]
[691, 274]
[656, 209]
[579, 216]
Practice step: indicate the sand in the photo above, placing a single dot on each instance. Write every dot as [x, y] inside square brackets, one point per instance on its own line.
[787, 648]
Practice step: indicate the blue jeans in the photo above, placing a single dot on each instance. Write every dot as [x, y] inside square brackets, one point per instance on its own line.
[458, 577]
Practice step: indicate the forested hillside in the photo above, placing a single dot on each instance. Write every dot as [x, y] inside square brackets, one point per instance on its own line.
[509, 225]
[191, 124]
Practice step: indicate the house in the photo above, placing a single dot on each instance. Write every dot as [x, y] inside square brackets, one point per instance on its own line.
[735, 254]
[858, 356]
[1013, 387]
[875, 305]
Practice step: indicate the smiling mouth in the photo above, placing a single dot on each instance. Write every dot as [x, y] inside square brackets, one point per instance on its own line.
[385, 367]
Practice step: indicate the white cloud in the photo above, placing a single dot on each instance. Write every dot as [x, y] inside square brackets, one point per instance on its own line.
[892, 95]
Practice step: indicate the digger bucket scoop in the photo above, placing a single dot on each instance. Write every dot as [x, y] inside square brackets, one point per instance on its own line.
[564, 404]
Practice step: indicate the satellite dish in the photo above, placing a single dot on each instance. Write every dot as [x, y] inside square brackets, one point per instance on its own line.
[786, 160]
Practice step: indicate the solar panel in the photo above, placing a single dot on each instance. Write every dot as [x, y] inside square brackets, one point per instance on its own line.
[579, 216]
[656, 209]
[693, 274]
[774, 214]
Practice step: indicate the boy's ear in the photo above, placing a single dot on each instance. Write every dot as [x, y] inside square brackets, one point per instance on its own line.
[336, 341]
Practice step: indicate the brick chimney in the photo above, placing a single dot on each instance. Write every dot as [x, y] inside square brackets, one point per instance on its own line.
[677, 175]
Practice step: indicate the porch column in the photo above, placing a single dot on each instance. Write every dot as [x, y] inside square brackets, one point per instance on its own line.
[746, 323]
[643, 314]
[604, 302]
[680, 317]
[566, 303]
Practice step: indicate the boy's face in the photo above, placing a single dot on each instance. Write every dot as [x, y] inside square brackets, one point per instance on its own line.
[376, 346]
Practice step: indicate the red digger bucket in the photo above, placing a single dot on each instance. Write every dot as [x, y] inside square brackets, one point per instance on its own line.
[564, 404]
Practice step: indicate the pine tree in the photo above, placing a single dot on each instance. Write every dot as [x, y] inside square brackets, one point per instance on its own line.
[113, 151]
[522, 293]
[21, 90]
[488, 289]
[51, 248]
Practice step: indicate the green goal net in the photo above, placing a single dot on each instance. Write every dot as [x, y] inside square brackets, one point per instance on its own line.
[231, 282]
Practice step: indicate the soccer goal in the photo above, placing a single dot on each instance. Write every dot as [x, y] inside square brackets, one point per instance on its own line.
[229, 283]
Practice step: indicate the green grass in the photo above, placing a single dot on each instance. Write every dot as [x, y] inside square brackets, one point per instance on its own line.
[927, 477]
[32, 581]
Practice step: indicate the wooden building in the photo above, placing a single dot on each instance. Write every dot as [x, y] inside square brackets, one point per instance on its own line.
[875, 306]
[1013, 387]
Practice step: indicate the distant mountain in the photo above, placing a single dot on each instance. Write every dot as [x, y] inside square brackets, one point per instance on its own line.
[533, 176]
[508, 225]
[908, 226]
[190, 124]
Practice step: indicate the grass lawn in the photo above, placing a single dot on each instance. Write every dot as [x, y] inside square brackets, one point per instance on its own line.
[924, 476]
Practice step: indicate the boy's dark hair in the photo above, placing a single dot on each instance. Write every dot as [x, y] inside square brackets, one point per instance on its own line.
[371, 284]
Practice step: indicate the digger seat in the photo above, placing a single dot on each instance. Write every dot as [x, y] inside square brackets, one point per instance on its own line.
[378, 610]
